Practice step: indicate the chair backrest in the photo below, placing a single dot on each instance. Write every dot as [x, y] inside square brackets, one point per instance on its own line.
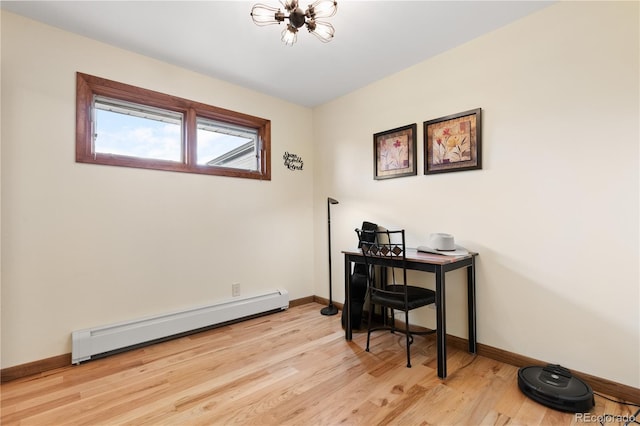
[384, 244]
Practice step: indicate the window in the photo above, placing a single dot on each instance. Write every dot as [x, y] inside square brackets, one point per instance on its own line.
[122, 125]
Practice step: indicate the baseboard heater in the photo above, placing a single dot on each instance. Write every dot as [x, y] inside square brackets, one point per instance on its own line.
[99, 341]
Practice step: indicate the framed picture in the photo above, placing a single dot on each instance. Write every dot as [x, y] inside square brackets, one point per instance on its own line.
[394, 153]
[453, 143]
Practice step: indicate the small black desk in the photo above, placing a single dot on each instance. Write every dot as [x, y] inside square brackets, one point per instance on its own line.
[426, 262]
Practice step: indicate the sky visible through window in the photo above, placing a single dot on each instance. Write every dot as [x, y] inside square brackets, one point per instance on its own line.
[134, 136]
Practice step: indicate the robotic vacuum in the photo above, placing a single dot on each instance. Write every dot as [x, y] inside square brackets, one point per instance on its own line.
[555, 387]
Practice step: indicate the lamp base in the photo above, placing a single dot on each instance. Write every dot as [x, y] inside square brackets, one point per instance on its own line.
[329, 310]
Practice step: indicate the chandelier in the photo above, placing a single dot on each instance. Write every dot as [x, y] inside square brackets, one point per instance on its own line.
[266, 15]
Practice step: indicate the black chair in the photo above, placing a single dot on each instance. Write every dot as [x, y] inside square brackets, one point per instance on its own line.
[395, 293]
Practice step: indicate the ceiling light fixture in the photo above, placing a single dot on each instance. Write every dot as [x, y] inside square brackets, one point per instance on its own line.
[267, 15]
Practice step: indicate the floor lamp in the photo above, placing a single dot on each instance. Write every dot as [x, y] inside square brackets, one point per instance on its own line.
[331, 309]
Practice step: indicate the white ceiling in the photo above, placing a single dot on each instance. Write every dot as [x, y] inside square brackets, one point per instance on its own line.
[373, 39]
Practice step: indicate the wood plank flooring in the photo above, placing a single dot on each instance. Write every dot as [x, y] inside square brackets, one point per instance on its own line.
[288, 368]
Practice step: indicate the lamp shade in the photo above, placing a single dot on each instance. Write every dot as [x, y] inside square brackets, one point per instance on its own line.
[323, 8]
[289, 4]
[323, 30]
[265, 15]
[290, 35]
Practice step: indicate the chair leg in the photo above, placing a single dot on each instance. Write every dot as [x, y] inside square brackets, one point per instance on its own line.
[371, 307]
[409, 339]
[393, 320]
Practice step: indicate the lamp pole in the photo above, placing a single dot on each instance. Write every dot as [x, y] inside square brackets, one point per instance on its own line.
[331, 309]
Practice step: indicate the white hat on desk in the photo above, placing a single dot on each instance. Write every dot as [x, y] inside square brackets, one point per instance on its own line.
[442, 243]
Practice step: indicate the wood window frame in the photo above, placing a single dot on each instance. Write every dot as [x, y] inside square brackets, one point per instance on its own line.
[87, 86]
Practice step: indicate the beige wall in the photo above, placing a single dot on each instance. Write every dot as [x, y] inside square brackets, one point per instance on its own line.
[86, 245]
[554, 211]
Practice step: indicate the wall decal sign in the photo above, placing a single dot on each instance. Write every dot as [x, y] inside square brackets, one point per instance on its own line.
[292, 161]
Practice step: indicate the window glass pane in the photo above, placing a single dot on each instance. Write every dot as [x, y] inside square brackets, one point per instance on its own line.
[124, 128]
[226, 145]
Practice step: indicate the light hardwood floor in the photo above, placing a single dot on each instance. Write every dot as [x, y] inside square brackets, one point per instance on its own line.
[288, 368]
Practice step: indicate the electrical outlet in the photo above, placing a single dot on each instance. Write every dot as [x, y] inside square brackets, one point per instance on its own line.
[235, 289]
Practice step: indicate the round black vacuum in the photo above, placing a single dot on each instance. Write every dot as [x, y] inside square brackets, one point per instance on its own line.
[555, 387]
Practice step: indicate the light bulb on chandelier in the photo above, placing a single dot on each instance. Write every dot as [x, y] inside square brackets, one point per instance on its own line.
[289, 35]
[263, 15]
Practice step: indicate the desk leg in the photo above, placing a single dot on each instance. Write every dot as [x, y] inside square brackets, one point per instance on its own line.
[441, 331]
[471, 300]
[347, 302]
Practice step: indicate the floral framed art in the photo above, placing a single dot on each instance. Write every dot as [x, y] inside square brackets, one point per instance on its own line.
[394, 153]
[453, 143]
